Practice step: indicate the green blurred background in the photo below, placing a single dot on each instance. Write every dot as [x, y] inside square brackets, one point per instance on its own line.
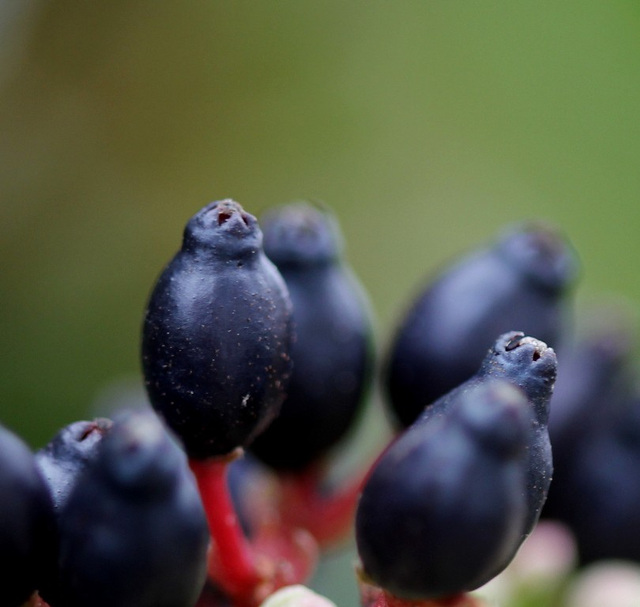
[426, 125]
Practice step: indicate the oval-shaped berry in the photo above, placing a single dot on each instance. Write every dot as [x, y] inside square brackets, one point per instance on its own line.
[332, 352]
[595, 382]
[520, 282]
[133, 531]
[27, 529]
[443, 508]
[529, 364]
[216, 334]
[64, 458]
[601, 489]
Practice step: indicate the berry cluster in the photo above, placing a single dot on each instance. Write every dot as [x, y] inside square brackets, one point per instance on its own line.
[257, 353]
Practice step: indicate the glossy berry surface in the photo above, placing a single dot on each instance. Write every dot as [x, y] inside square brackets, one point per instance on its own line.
[133, 531]
[64, 458]
[443, 509]
[521, 282]
[529, 364]
[332, 354]
[216, 334]
[27, 531]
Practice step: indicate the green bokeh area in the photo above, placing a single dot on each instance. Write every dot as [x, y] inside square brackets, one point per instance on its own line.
[426, 125]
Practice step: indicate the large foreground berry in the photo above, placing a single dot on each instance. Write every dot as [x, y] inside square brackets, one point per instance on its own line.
[520, 282]
[443, 509]
[216, 335]
[331, 353]
[27, 530]
[133, 531]
[529, 364]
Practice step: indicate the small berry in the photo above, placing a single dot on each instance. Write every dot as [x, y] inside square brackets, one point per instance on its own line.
[133, 531]
[601, 490]
[443, 509]
[27, 529]
[64, 458]
[595, 383]
[332, 350]
[520, 282]
[216, 335]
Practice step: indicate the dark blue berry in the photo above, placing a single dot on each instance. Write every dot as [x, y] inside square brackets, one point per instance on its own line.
[64, 458]
[520, 282]
[133, 531]
[595, 432]
[443, 509]
[27, 528]
[332, 351]
[216, 335]
[594, 384]
[601, 490]
[528, 363]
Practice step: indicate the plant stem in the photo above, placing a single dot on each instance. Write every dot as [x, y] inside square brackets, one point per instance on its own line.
[461, 600]
[327, 516]
[374, 596]
[35, 601]
[231, 565]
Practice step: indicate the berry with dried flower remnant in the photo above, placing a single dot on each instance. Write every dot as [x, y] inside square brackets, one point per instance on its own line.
[64, 458]
[216, 334]
[443, 509]
[521, 282]
[133, 530]
[525, 362]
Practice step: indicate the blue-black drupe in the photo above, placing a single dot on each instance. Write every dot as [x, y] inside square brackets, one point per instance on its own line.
[595, 384]
[443, 509]
[133, 531]
[64, 458]
[521, 283]
[27, 528]
[216, 334]
[332, 352]
[529, 364]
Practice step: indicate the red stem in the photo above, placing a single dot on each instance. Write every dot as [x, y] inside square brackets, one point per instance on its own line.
[232, 565]
[385, 599]
[374, 596]
[328, 517]
[35, 601]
